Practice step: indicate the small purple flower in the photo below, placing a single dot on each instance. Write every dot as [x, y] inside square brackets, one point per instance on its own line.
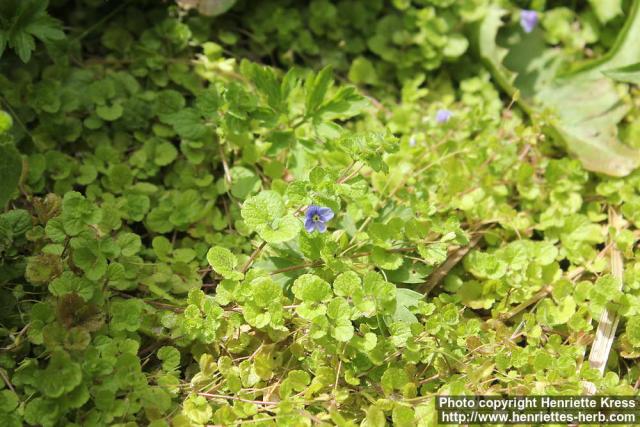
[443, 115]
[412, 141]
[316, 217]
[528, 20]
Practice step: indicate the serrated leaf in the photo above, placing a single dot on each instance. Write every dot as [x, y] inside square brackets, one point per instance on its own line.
[224, 262]
[347, 284]
[434, 253]
[262, 209]
[61, 375]
[317, 87]
[311, 288]
[170, 357]
[126, 315]
[280, 230]
[69, 283]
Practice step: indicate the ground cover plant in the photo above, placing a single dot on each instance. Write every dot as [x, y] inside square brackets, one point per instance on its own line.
[286, 213]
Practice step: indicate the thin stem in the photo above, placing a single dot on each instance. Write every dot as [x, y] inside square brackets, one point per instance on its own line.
[253, 257]
[239, 399]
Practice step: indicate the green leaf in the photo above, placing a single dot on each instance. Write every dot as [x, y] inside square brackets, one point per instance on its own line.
[362, 71]
[6, 121]
[224, 262]
[266, 82]
[385, 259]
[632, 331]
[403, 416]
[485, 266]
[187, 123]
[262, 209]
[347, 284]
[434, 253]
[393, 379]
[69, 283]
[342, 330]
[317, 87]
[129, 243]
[126, 315]
[298, 379]
[110, 112]
[88, 256]
[61, 375]
[606, 10]
[281, 229]
[406, 300]
[23, 44]
[626, 74]
[265, 213]
[8, 401]
[243, 182]
[457, 45]
[208, 7]
[43, 268]
[265, 291]
[375, 417]
[77, 213]
[10, 172]
[165, 154]
[339, 312]
[197, 409]
[41, 411]
[170, 357]
[311, 288]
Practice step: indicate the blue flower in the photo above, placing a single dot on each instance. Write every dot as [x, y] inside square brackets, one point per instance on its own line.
[443, 115]
[528, 20]
[316, 218]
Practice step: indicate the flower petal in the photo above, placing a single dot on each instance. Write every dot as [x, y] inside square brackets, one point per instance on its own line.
[528, 20]
[443, 115]
[325, 214]
[309, 225]
[321, 227]
[312, 211]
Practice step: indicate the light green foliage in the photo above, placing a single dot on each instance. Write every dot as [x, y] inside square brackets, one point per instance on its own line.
[223, 262]
[61, 376]
[266, 214]
[154, 264]
[170, 357]
[628, 73]
[126, 315]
